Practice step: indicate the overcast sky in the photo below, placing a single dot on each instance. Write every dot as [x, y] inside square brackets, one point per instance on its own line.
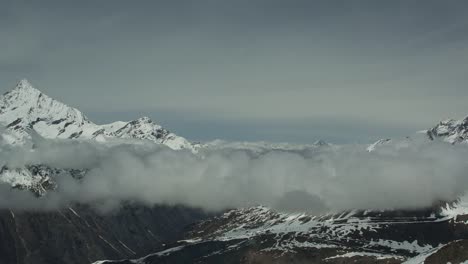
[342, 71]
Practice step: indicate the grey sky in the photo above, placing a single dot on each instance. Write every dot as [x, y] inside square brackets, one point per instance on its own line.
[273, 70]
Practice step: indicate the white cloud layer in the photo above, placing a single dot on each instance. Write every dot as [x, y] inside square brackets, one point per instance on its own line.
[313, 179]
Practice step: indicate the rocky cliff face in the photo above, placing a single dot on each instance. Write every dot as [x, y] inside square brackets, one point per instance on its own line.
[79, 234]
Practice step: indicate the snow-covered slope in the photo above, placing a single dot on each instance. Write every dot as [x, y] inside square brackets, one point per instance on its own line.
[268, 236]
[25, 109]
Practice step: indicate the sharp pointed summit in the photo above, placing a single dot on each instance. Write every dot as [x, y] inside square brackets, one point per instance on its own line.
[24, 84]
[21, 93]
[25, 107]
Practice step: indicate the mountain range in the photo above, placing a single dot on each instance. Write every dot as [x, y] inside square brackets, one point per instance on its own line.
[178, 234]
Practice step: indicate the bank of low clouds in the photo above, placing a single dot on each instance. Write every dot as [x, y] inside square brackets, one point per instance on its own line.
[314, 179]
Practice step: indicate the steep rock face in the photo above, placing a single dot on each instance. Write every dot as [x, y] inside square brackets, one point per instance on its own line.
[79, 235]
[25, 109]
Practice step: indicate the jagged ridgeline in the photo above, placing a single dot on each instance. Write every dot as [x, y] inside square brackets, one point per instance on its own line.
[25, 109]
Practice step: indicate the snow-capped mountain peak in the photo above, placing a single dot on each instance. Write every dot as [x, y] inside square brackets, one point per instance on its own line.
[25, 108]
[24, 94]
[145, 128]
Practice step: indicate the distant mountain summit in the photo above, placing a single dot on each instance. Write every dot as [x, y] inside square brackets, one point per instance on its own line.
[450, 130]
[25, 109]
